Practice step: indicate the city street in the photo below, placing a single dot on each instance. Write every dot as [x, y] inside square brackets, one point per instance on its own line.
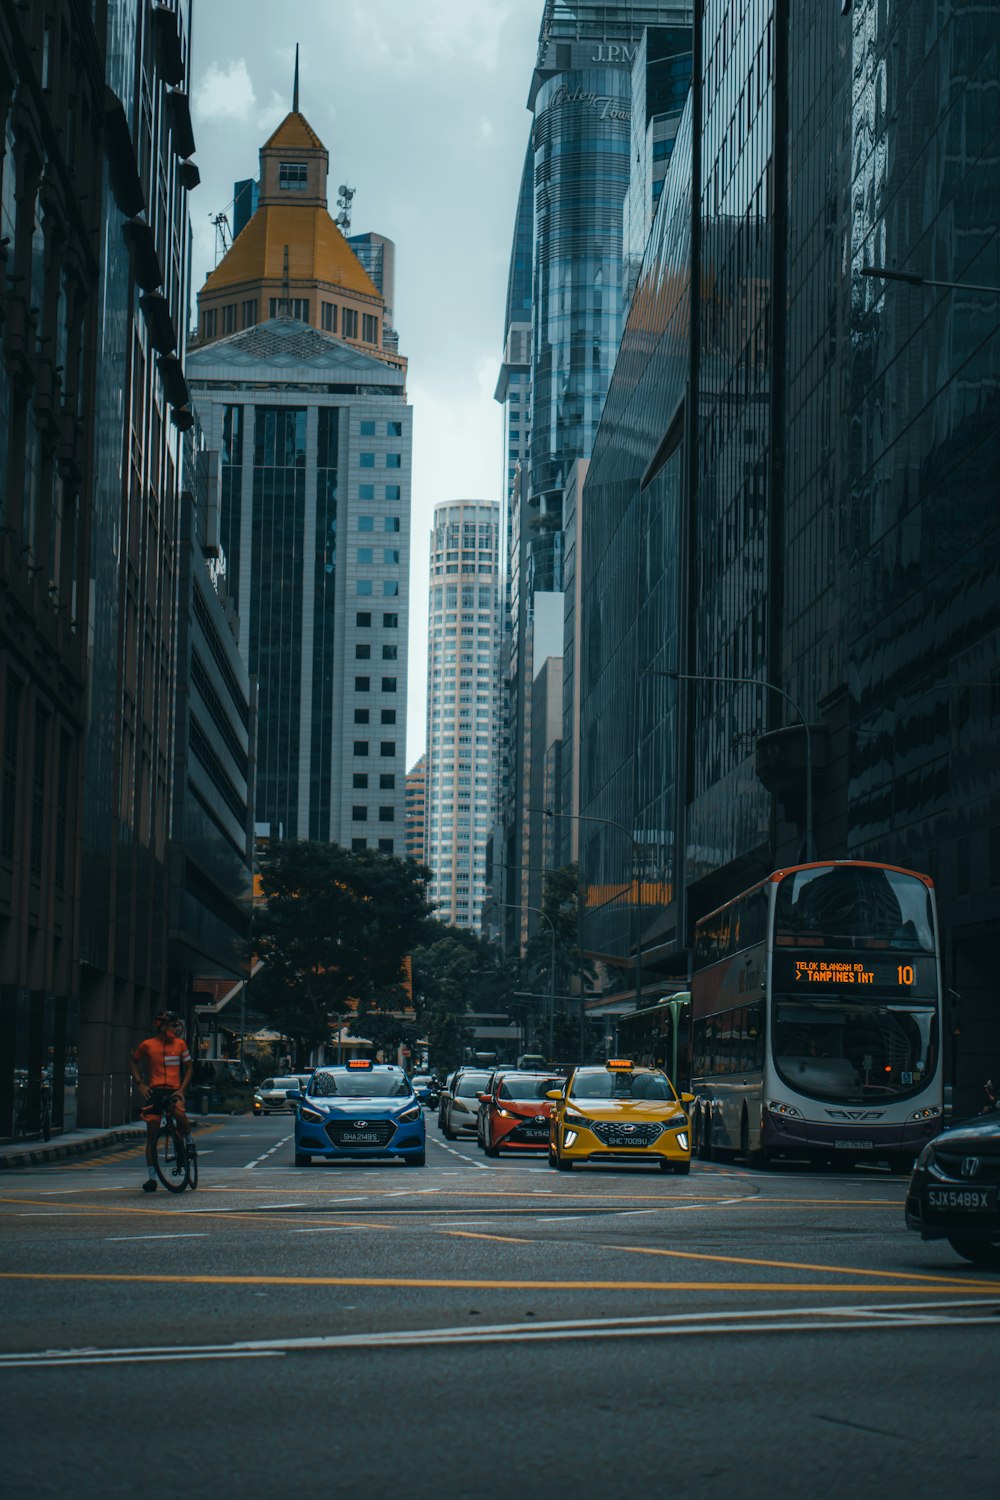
[478, 1323]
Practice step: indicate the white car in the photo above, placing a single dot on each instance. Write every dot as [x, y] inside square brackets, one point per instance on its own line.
[462, 1109]
[272, 1095]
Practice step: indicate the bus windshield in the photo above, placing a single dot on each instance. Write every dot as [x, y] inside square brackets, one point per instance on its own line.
[854, 1053]
[854, 906]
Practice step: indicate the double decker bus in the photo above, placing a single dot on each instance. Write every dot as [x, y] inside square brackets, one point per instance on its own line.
[816, 1018]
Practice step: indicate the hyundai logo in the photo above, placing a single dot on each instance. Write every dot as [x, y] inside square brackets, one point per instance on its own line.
[361, 1123]
[970, 1166]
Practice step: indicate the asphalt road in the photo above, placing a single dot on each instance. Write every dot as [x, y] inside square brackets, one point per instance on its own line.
[480, 1326]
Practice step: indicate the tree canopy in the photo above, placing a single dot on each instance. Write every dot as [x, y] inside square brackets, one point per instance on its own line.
[333, 929]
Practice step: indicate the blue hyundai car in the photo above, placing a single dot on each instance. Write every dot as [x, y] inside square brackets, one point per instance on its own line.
[359, 1109]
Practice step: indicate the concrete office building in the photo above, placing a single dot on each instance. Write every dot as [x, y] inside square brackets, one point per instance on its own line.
[463, 624]
[307, 409]
[315, 441]
[804, 459]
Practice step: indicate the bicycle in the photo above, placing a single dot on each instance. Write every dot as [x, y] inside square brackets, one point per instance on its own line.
[33, 1115]
[175, 1159]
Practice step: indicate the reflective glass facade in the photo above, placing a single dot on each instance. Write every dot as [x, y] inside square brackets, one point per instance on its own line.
[808, 471]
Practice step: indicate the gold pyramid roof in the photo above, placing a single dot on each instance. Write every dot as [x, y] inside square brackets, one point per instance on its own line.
[317, 251]
[296, 132]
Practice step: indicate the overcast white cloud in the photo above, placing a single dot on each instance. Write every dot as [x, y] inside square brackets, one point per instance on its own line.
[422, 109]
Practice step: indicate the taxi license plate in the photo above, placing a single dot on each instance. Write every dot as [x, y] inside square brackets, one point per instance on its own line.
[964, 1200]
[624, 1140]
[359, 1138]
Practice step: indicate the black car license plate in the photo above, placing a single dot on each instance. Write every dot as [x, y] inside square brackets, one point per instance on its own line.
[360, 1138]
[966, 1200]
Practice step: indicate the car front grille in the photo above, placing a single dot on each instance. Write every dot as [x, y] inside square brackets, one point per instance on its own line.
[382, 1132]
[951, 1162]
[610, 1132]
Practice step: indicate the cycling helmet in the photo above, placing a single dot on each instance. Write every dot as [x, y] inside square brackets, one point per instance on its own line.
[166, 1018]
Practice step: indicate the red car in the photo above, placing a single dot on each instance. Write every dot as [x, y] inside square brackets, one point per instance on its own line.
[515, 1113]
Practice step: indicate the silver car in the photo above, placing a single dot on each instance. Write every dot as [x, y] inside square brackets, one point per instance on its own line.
[462, 1108]
[272, 1095]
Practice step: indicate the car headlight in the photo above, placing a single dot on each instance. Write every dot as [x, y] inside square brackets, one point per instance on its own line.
[682, 1139]
[504, 1113]
[572, 1118]
[930, 1113]
[312, 1115]
[676, 1122]
[788, 1110]
[409, 1114]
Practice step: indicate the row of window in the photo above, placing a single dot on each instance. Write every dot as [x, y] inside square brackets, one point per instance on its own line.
[363, 652]
[363, 716]
[390, 587]
[385, 846]
[392, 429]
[389, 523]
[392, 460]
[364, 684]
[363, 620]
[387, 748]
[359, 814]
[367, 554]
[233, 317]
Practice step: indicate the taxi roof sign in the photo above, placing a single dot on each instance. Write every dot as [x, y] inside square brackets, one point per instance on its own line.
[359, 1062]
[619, 1062]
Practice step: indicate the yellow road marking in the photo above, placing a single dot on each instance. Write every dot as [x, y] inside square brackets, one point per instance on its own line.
[780, 1265]
[468, 1234]
[474, 1283]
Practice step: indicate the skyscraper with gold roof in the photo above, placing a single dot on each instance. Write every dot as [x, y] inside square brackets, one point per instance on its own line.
[291, 259]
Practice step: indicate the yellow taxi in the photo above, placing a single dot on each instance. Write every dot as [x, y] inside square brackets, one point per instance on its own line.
[620, 1112]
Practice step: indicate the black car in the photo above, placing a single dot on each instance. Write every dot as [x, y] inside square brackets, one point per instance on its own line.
[954, 1193]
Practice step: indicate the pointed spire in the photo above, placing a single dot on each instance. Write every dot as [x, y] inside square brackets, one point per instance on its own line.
[295, 90]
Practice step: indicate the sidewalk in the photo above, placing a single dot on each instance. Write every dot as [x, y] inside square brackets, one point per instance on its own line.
[35, 1153]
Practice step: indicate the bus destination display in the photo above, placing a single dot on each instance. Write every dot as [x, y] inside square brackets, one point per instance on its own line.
[882, 976]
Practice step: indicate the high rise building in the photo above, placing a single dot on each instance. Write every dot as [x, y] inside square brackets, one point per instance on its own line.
[794, 482]
[416, 811]
[307, 409]
[463, 625]
[572, 199]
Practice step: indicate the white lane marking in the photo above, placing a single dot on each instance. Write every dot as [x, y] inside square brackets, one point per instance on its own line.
[119, 1239]
[463, 1159]
[258, 1206]
[765, 1320]
[276, 1147]
[564, 1218]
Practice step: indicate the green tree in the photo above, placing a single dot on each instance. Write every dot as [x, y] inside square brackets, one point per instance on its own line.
[559, 966]
[455, 972]
[333, 931]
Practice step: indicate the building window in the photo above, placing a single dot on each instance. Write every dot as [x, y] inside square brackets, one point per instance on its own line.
[394, 429]
[388, 684]
[229, 318]
[390, 554]
[358, 846]
[390, 523]
[388, 716]
[394, 460]
[387, 815]
[363, 619]
[367, 460]
[366, 492]
[390, 622]
[209, 321]
[361, 747]
[328, 316]
[367, 429]
[359, 814]
[361, 716]
[250, 312]
[385, 846]
[390, 653]
[364, 585]
[366, 554]
[366, 523]
[293, 176]
[362, 684]
[369, 328]
[362, 653]
[387, 748]
[390, 587]
[392, 493]
[349, 323]
[387, 781]
[360, 780]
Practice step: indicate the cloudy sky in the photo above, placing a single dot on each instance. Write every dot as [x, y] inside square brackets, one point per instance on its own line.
[421, 105]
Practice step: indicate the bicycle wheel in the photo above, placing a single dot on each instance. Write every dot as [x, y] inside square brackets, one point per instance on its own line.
[192, 1163]
[170, 1158]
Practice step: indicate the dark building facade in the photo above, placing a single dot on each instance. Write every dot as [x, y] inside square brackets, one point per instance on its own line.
[51, 107]
[795, 481]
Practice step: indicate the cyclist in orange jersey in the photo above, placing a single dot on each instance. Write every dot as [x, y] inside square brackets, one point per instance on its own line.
[166, 1063]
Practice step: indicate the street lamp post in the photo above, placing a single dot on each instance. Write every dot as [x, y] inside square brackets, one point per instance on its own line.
[523, 906]
[773, 688]
[912, 278]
